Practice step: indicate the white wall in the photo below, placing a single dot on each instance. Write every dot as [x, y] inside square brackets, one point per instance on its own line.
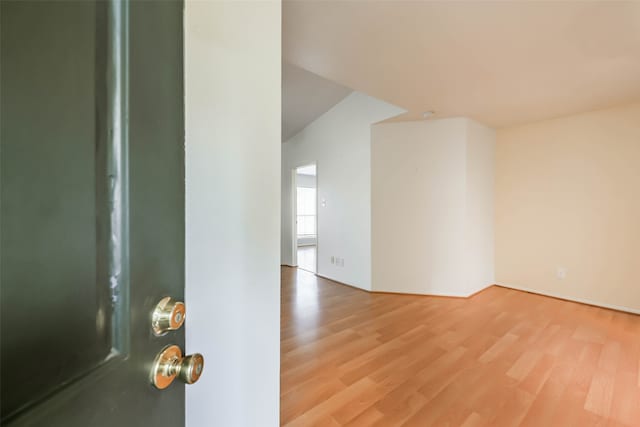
[339, 142]
[432, 187]
[418, 210]
[232, 220]
[480, 202]
[568, 197]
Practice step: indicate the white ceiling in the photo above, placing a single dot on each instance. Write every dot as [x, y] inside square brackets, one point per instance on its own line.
[501, 63]
[305, 96]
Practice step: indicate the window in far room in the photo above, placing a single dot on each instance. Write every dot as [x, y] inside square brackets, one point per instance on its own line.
[306, 218]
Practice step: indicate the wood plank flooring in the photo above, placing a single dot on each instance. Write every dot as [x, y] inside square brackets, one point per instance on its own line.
[499, 358]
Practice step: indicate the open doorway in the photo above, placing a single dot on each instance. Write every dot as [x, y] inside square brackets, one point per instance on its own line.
[306, 224]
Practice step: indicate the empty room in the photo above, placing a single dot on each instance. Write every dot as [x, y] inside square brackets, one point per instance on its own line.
[478, 259]
[301, 213]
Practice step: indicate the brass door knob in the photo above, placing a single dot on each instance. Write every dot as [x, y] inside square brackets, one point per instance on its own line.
[167, 316]
[170, 363]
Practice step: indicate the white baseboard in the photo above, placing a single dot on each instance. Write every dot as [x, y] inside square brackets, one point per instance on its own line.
[568, 298]
[399, 292]
[342, 283]
[435, 294]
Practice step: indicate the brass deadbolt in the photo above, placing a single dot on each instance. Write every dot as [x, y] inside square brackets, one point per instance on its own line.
[170, 363]
[167, 316]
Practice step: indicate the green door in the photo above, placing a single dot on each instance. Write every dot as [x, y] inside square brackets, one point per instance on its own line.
[92, 205]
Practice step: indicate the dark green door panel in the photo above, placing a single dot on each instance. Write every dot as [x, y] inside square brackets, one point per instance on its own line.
[60, 359]
[50, 239]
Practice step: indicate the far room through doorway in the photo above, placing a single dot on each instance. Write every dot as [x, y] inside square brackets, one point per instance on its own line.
[306, 217]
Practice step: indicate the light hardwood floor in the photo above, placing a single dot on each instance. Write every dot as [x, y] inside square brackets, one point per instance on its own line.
[500, 358]
[307, 258]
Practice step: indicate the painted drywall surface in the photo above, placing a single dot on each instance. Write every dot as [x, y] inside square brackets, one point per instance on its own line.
[233, 214]
[432, 183]
[480, 202]
[568, 196]
[418, 206]
[339, 142]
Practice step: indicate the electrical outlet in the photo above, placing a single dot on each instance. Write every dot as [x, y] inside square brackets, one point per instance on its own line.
[333, 259]
[561, 273]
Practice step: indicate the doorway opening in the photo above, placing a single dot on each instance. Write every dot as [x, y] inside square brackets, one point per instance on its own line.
[306, 219]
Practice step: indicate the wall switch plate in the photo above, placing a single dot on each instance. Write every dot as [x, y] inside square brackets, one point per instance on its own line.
[561, 273]
[333, 260]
